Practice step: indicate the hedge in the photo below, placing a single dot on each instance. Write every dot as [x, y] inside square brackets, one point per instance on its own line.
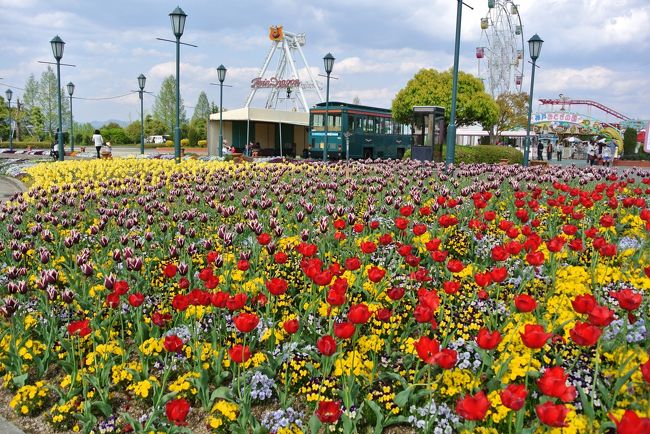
[482, 154]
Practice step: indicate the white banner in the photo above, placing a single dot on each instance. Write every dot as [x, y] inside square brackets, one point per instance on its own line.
[646, 144]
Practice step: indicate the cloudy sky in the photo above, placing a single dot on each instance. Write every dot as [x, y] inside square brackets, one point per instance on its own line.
[594, 49]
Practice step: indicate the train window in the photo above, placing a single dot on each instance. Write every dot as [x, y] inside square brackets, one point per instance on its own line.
[318, 120]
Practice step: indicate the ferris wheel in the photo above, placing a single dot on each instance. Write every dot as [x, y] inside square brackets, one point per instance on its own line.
[501, 51]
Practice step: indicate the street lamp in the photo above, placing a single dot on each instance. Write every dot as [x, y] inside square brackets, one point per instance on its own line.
[328, 60]
[221, 72]
[534, 47]
[178, 17]
[70, 87]
[141, 81]
[9, 94]
[57, 50]
[451, 131]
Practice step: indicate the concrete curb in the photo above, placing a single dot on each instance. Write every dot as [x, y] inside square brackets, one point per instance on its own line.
[13, 181]
[7, 427]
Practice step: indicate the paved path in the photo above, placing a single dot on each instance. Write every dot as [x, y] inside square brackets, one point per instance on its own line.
[7, 427]
[8, 187]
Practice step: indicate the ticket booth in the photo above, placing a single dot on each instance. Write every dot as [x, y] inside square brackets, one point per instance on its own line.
[428, 133]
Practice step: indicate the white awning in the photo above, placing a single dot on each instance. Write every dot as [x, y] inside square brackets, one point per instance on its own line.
[264, 115]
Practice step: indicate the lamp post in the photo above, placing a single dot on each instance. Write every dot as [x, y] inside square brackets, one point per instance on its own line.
[451, 131]
[221, 72]
[328, 60]
[534, 46]
[57, 50]
[141, 81]
[178, 17]
[70, 87]
[9, 94]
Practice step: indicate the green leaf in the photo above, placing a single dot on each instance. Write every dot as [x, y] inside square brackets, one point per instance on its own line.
[222, 392]
[587, 405]
[402, 398]
[379, 416]
[105, 408]
[314, 424]
[19, 380]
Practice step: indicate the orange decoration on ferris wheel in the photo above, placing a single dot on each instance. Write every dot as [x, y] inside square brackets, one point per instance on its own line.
[276, 33]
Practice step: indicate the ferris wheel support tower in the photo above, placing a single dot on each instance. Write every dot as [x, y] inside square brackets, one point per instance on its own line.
[287, 47]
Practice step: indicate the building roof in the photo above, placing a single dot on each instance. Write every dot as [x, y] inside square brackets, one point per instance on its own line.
[264, 115]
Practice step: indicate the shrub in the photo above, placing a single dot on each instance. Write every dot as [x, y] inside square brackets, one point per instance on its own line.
[169, 143]
[629, 141]
[33, 145]
[185, 142]
[407, 154]
[203, 143]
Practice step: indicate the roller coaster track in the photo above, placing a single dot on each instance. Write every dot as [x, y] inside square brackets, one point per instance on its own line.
[598, 105]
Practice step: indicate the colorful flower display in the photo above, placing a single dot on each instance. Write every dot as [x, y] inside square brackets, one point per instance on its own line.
[145, 296]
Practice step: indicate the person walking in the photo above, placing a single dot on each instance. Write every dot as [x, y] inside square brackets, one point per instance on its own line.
[591, 153]
[99, 141]
[540, 150]
[559, 152]
[549, 150]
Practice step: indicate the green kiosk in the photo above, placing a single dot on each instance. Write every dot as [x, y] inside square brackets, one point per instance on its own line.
[428, 133]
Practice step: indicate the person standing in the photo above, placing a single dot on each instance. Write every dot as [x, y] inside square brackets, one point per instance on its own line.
[559, 152]
[549, 150]
[591, 153]
[540, 150]
[99, 141]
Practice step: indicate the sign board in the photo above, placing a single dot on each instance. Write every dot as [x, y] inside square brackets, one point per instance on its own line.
[274, 83]
[646, 144]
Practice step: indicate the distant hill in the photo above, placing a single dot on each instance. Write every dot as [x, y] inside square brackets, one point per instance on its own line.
[99, 124]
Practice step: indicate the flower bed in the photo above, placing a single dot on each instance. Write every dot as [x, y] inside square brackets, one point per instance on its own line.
[212, 297]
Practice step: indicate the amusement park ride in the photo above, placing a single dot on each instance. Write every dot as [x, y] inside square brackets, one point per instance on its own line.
[285, 83]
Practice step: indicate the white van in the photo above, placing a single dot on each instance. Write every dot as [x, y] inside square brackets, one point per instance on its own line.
[156, 139]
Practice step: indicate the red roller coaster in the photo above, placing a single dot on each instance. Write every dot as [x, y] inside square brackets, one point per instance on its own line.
[566, 101]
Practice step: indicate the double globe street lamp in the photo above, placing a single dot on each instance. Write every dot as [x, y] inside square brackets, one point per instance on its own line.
[141, 82]
[57, 50]
[534, 47]
[328, 60]
[9, 93]
[70, 87]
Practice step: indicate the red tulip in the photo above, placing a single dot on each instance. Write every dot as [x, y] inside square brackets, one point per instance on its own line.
[136, 299]
[112, 300]
[359, 314]
[627, 299]
[177, 410]
[631, 423]
[585, 334]
[170, 270]
[336, 296]
[291, 326]
[383, 314]
[525, 303]
[534, 336]
[368, 247]
[601, 316]
[243, 265]
[553, 383]
[180, 302]
[583, 303]
[326, 345]
[483, 279]
[645, 371]
[329, 411]
[551, 414]
[280, 258]
[499, 274]
[264, 239]
[353, 263]
[535, 258]
[344, 330]
[395, 293]
[239, 353]
[246, 322]
[375, 274]
[473, 407]
[406, 210]
[607, 221]
[121, 287]
[488, 340]
[236, 302]
[451, 287]
[173, 344]
[82, 327]
[499, 253]
[455, 266]
[160, 319]
[446, 358]
[514, 396]
[276, 286]
[427, 349]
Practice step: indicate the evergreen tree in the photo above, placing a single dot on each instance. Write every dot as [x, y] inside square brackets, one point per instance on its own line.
[164, 108]
[202, 109]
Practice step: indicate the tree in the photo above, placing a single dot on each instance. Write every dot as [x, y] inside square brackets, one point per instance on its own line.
[356, 100]
[164, 108]
[153, 127]
[133, 132]
[47, 100]
[202, 108]
[431, 87]
[513, 113]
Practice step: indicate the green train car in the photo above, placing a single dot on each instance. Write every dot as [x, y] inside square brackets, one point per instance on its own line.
[356, 131]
